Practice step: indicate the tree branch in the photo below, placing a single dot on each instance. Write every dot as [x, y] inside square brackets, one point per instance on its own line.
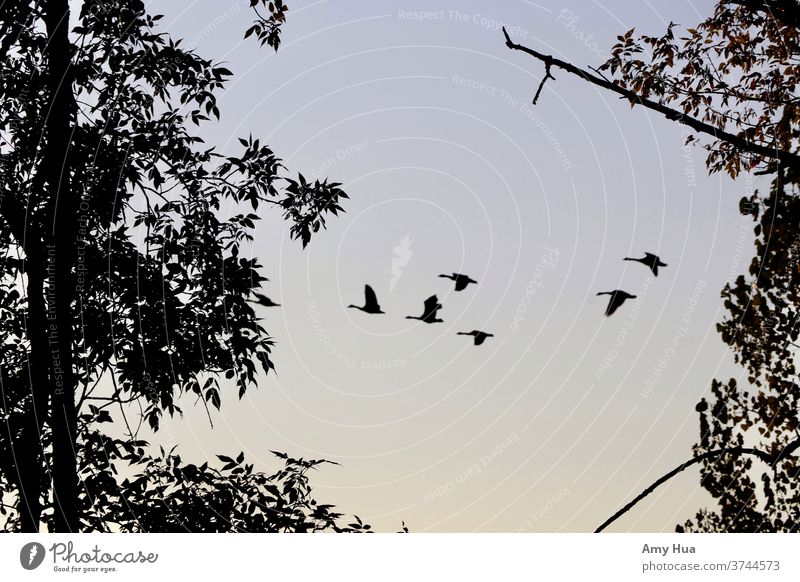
[785, 11]
[770, 459]
[740, 143]
[547, 75]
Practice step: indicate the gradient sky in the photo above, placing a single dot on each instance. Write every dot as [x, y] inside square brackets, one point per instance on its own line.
[565, 415]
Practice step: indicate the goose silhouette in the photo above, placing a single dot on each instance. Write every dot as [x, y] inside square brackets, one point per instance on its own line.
[480, 336]
[370, 302]
[649, 260]
[432, 307]
[461, 280]
[617, 298]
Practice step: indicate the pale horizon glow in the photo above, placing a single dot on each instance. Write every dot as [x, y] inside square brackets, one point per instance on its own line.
[564, 415]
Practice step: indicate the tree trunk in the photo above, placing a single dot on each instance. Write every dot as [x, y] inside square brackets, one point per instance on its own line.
[28, 448]
[59, 237]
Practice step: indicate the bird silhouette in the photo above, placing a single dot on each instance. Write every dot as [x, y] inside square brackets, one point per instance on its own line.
[480, 336]
[617, 298]
[461, 280]
[370, 302]
[262, 299]
[649, 260]
[432, 306]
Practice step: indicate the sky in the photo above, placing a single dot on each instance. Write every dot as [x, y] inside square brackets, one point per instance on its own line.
[425, 117]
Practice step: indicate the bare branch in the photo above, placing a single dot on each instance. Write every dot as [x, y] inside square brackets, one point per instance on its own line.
[547, 75]
[740, 143]
[770, 459]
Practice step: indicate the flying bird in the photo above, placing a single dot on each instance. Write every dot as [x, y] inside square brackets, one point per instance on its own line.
[461, 280]
[617, 298]
[265, 301]
[649, 260]
[432, 306]
[370, 302]
[480, 336]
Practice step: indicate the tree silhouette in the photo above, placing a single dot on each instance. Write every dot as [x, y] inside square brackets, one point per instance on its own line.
[167, 495]
[762, 328]
[123, 284]
[733, 78]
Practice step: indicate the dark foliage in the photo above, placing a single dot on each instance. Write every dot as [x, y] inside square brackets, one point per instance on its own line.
[733, 78]
[159, 288]
[762, 329]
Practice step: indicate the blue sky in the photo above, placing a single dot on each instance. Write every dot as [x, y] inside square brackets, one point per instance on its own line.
[426, 118]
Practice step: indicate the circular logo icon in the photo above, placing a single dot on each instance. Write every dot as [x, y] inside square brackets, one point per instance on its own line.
[31, 555]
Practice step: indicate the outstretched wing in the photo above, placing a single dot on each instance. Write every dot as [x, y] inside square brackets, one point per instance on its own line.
[432, 305]
[613, 303]
[371, 300]
[653, 262]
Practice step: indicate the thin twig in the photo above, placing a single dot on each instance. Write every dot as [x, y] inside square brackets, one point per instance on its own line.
[547, 75]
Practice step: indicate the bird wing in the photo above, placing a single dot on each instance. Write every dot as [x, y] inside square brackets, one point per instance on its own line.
[371, 300]
[479, 338]
[432, 304]
[614, 303]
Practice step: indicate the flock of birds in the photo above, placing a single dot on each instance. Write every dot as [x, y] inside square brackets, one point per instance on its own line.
[618, 297]
[430, 308]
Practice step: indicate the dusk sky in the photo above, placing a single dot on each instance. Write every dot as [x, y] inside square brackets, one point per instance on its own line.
[426, 118]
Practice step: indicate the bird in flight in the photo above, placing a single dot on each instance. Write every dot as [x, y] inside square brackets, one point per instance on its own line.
[370, 302]
[461, 280]
[617, 298]
[432, 307]
[262, 299]
[649, 260]
[480, 336]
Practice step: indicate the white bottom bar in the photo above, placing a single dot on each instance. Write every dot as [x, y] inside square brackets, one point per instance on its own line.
[414, 557]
